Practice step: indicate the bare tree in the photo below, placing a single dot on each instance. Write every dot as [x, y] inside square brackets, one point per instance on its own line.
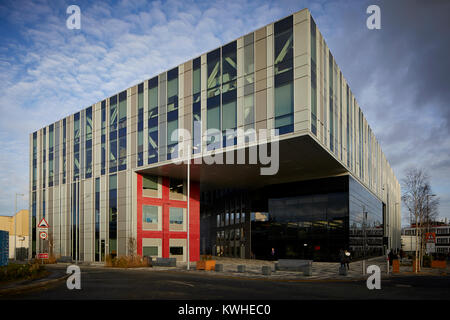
[422, 208]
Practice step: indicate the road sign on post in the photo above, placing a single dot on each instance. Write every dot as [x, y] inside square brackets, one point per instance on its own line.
[43, 224]
[431, 247]
[43, 235]
[42, 256]
[430, 237]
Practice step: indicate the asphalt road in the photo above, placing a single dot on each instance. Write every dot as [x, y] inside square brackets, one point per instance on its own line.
[107, 284]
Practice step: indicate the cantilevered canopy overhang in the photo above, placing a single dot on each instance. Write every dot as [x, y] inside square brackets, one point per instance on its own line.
[300, 158]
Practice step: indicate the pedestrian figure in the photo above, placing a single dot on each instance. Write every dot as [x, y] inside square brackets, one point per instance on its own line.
[347, 259]
[272, 253]
[391, 256]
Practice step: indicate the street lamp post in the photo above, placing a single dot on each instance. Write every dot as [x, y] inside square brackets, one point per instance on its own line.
[190, 149]
[428, 211]
[15, 222]
[188, 202]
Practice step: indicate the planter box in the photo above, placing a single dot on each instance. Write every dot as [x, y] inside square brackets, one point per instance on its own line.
[206, 265]
[395, 266]
[266, 270]
[293, 264]
[439, 264]
[165, 262]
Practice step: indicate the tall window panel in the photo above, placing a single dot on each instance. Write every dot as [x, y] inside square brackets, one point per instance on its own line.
[76, 146]
[340, 114]
[51, 146]
[229, 95]
[122, 147]
[64, 142]
[43, 204]
[75, 219]
[352, 132]
[196, 106]
[44, 153]
[113, 134]
[313, 78]
[369, 151]
[249, 82]
[172, 113]
[112, 217]
[97, 220]
[88, 143]
[335, 108]
[213, 98]
[331, 100]
[361, 132]
[33, 224]
[103, 139]
[57, 154]
[34, 160]
[153, 120]
[284, 76]
[348, 128]
[140, 126]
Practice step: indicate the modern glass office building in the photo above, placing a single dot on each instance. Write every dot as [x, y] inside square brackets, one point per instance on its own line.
[109, 182]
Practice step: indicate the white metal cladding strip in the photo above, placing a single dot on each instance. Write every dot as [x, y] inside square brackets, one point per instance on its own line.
[180, 101]
[270, 77]
[203, 84]
[240, 83]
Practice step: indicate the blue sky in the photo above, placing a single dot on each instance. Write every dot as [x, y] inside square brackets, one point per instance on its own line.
[398, 74]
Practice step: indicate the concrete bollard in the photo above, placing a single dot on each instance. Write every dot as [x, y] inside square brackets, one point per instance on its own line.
[307, 271]
[241, 268]
[219, 267]
[266, 270]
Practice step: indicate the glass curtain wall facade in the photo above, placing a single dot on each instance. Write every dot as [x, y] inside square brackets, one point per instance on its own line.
[303, 220]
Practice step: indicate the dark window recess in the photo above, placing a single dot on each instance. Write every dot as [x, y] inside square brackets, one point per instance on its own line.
[176, 250]
[176, 186]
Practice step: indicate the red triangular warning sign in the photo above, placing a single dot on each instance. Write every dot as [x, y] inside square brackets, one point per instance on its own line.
[43, 223]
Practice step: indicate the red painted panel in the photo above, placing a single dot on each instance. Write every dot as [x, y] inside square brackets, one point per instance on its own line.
[165, 235]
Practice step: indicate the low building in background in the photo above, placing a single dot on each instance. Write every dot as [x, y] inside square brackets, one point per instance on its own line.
[440, 232]
[20, 232]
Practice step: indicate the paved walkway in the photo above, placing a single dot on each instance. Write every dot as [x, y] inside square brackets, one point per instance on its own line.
[320, 270]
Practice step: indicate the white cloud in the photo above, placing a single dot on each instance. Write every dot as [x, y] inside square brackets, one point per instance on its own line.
[49, 72]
